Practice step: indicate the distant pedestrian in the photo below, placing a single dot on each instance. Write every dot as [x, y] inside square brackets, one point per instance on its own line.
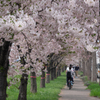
[76, 70]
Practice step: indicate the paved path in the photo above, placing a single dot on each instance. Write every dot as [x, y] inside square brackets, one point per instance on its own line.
[78, 92]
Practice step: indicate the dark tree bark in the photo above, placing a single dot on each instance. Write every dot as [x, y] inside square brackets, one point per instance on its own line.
[55, 76]
[48, 75]
[63, 69]
[52, 74]
[42, 84]
[4, 65]
[23, 87]
[3, 83]
[59, 71]
[33, 82]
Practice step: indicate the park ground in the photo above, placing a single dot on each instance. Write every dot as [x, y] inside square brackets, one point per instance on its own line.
[57, 86]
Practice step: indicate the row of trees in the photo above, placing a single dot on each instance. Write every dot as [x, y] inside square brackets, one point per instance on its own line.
[54, 69]
[89, 66]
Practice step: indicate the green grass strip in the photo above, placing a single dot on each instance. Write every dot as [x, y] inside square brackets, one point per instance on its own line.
[94, 89]
[50, 92]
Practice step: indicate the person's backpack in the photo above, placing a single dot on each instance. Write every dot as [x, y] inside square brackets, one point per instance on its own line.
[68, 74]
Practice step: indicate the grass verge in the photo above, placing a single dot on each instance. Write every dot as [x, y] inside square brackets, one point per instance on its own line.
[95, 89]
[50, 92]
[80, 73]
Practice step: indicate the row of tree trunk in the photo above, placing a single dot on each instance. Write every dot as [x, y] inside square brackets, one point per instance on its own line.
[51, 74]
[53, 71]
[4, 66]
[89, 66]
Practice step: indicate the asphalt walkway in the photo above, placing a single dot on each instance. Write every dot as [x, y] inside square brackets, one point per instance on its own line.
[78, 92]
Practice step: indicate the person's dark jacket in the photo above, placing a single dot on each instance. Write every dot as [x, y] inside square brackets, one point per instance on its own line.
[76, 68]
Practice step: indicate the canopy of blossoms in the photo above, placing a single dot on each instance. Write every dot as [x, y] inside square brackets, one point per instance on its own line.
[39, 27]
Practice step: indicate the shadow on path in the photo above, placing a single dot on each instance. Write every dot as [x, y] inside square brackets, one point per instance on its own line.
[78, 92]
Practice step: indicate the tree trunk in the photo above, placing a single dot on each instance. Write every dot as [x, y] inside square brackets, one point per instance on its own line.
[86, 69]
[48, 77]
[52, 74]
[94, 72]
[42, 84]
[62, 69]
[59, 71]
[23, 87]
[3, 84]
[83, 66]
[33, 82]
[80, 65]
[4, 65]
[89, 68]
[55, 73]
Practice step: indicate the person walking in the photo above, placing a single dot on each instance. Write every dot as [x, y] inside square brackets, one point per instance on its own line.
[76, 70]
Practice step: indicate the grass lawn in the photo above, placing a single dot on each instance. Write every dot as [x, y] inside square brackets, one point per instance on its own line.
[92, 86]
[95, 89]
[50, 92]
